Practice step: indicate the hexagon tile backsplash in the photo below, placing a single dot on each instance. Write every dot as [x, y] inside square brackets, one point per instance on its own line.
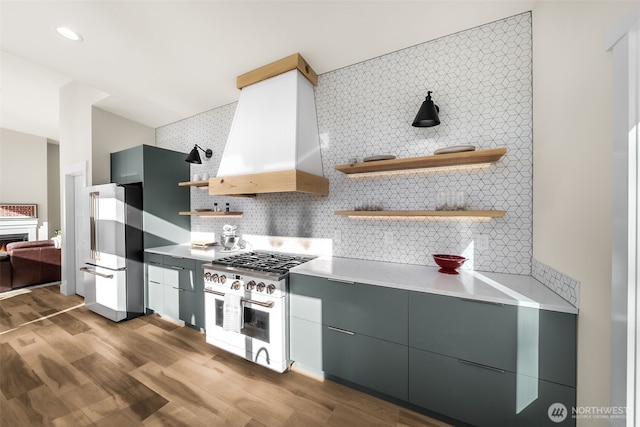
[481, 80]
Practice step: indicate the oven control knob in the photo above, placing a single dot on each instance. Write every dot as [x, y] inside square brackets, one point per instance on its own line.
[235, 285]
[223, 278]
[214, 278]
[271, 289]
[207, 277]
[260, 287]
[251, 285]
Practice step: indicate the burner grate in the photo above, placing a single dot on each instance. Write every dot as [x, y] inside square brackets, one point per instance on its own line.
[263, 261]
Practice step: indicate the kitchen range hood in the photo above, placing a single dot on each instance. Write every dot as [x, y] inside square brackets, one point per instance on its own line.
[273, 145]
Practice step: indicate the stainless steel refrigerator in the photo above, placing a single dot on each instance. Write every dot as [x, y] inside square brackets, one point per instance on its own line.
[115, 262]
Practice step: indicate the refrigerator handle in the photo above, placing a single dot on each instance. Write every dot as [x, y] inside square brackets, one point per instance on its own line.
[93, 230]
[95, 273]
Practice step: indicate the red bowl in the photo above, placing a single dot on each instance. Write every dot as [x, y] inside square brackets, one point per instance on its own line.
[449, 263]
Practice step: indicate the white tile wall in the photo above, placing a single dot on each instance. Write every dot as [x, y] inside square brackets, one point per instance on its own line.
[561, 284]
[481, 80]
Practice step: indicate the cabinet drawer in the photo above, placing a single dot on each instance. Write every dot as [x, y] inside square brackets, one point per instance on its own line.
[186, 263]
[484, 397]
[370, 362]
[375, 311]
[153, 258]
[473, 394]
[480, 332]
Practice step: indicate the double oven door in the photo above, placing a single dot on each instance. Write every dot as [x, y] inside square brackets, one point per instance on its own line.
[262, 336]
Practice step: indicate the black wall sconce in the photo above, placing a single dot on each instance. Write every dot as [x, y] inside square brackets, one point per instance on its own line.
[194, 156]
[428, 114]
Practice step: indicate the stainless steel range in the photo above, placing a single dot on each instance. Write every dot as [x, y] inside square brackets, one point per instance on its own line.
[246, 305]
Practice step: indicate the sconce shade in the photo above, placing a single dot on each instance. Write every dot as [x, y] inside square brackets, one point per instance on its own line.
[194, 156]
[428, 114]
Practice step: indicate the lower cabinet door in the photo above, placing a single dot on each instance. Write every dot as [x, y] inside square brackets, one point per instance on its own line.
[191, 308]
[171, 302]
[370, 362]
[543, 403]
[470, 393]
[155, 295]
[305, 344]
[484, 396]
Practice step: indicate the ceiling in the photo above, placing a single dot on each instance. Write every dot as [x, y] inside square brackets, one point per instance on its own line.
[163, 61]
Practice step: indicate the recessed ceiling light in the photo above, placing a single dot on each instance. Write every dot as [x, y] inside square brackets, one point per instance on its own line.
[69, 34]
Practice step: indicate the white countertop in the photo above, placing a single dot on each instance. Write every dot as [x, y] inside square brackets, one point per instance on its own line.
[501, 288]
[185, 251]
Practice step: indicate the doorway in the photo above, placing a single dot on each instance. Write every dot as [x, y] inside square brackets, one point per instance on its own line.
[74, 218]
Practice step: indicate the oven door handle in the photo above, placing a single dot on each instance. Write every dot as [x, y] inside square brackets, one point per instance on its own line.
[268, 304]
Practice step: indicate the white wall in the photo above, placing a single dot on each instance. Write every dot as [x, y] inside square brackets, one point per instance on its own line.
[76, 101]
[112, 133]
[572, 131]
[23, 171]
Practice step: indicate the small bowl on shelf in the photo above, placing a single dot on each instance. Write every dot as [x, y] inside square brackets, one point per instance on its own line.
[449, 263]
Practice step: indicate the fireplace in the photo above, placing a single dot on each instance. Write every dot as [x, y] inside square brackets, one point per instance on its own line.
[10, 238]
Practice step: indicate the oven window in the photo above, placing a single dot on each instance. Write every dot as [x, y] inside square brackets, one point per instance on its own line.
[256, 322]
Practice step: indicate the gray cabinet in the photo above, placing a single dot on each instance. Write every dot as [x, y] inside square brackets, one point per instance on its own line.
[490, 364]
[350, 331]
[482, 363]
[370, 362]
[370, 310]
[483, 396]
[474, 394]
[158, 170]
[175, 288]
[471, 330]
[127, 166]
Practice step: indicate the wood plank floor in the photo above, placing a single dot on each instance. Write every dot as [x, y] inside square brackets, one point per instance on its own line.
[62, 365]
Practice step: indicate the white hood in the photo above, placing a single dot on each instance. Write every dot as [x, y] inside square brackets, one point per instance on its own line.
[273, 144]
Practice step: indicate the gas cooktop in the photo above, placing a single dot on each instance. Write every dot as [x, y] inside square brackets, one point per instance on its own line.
[268, 262]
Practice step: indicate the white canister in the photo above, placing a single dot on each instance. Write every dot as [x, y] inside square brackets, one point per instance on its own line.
[196, 177]
[205, 176]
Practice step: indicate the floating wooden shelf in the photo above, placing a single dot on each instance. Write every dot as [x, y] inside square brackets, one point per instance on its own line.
[211, 213]
[194, 184]
[437, 160]
[486, 214]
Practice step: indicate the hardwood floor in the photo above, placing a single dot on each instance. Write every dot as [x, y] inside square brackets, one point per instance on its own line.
[63, 365]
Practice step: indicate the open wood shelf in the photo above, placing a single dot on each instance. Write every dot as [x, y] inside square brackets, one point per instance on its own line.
[486, 214]
[211, 213]
[436, 160]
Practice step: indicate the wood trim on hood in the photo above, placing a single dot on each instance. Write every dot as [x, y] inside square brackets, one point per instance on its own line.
[269, 182]
[291, 62]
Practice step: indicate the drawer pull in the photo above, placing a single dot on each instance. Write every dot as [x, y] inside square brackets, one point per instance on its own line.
[153, 281]
[480, 365]
[180, 289]
[348, 282]
[482, 302]
[154, 263]
[342, 331]
[175, 268]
